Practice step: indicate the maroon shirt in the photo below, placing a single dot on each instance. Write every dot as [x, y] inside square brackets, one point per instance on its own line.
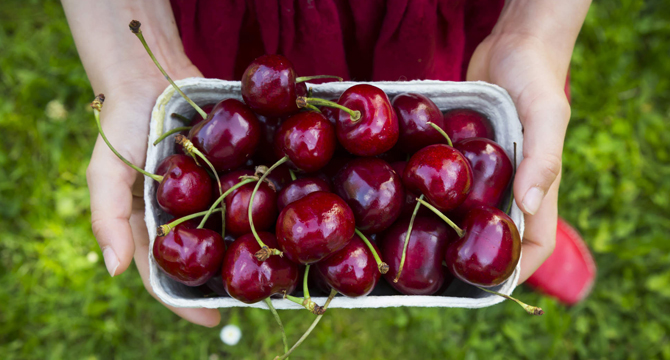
[355, 39]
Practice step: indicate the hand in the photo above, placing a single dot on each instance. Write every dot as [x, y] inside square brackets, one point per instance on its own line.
[117, 205]
[528, 69]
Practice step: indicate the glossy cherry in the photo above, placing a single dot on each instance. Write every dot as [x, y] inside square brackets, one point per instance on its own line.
[461, 124]
[268, 126]
[377, 129]
[441, 173]
[307, 139]
[229, 136]
[488, 252]
[264, 209]
[249, 280]
[410, 197]
[491, 172]
[186, 188]
[414, 112]
[373, 191]
[190, 256]
[300, 188]
[312, 228]
[269, 86]
[351, 271]
[422, 273]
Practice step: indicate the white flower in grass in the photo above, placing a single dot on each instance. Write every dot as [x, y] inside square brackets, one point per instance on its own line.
[231, 334]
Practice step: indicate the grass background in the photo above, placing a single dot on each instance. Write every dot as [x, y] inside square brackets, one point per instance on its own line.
[57, 301]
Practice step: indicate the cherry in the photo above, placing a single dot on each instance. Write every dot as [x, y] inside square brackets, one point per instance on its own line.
[268, 127]
[237, 204]
[410, 198]
[351, 271]
[414, 112]
[373, 191]
[249, 280]
[441, 173]
[461, 124]
[280, 177]
[229, 135]
[491, 171]
[333, 167]
[488, 252]
[307, 139]
[312, 228]
[422, 272]
[190, 256]
[300, 188]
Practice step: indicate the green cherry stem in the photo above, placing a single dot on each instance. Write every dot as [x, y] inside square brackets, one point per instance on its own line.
[97, 106]
[304, 101]
[312, 108]
[382, 266]
[135, 28]
[223, 196]
[511, 199]
[439, 129]
[181, 118]
[264, 253]
[278, 319]
[170, 132]
[308, 78]
[437, 212]
[165, 229]
[306, 299]
[533, 310]
[293, 177]
[309, 330]
[409, 232]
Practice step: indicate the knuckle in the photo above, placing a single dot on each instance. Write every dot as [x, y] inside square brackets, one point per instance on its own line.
[550, 167]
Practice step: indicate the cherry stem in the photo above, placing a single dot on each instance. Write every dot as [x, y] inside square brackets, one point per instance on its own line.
[305, 288]
[170, 132]
[437, 212]
[165, 229]
[135, 28]
[306, 299]
[278, 319]
[293, 177]
[264, 253]
[533, 310]
[308, 78]
[439, 129]
[223, 196]
[309, 330]
[312, 108]
[409, 232]
[511, 200]
[97, 106]
[182, 118]
[304, 101]
[382, 266]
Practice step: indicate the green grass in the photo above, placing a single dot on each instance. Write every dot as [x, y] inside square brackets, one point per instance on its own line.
[57, 301]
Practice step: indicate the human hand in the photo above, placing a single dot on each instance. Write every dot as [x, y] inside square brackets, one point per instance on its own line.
[534, 76]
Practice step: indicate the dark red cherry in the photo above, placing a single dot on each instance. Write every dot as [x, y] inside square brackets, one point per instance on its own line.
[279, 177]
[190, 256]
[195, 120]
[269, 126]
[312, 228]
[465, 123]
[300, 188]
[422, 273]
[229, 135]
[410, 197]
[377, 129]
[373, 191]
[351, 271]
[488, 252]
[237, 205]
[269, 86]
[414, 112]
[249, 280]
[332, 115]
[491, 172]
[308, 139]
[334, 166]
[441, 173]
[186, 187]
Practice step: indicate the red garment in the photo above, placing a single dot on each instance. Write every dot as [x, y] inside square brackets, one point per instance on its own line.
[355, 39]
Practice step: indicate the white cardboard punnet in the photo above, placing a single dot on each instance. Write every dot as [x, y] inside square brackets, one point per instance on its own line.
[488, 99]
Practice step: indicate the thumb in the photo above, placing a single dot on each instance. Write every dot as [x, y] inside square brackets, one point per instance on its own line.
[545, 117]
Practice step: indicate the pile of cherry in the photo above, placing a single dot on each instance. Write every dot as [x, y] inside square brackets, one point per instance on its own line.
[333, 193]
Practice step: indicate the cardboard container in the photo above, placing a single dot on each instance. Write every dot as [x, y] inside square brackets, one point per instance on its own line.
[489, 99]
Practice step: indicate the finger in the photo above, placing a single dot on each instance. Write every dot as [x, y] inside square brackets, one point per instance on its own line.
[199, 316]
[545, 115]
[539, 236]
[110, 183]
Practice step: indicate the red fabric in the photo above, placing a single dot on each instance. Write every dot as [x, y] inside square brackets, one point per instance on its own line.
[355, 39]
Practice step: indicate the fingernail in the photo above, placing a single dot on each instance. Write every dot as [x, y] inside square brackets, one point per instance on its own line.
[111, 260]
[532, 200]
